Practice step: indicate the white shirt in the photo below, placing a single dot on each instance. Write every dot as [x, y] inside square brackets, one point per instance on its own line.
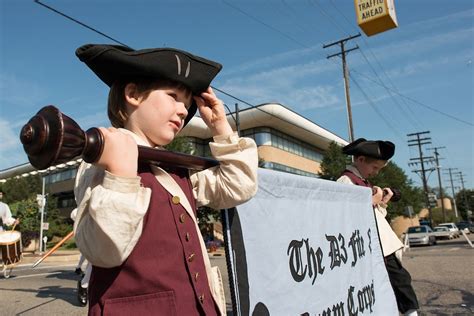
[6, 215]
[111, 208]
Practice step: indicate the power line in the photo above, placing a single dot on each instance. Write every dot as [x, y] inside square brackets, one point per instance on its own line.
[389, 92]
[419, 142]
[395, 91]
[221, 91]
[414, 117]
[80, 23]
[416, 101]
[326, 15]
[372, 104]
[452, 190]
[438, 168]
[345, 71]
[265, 24]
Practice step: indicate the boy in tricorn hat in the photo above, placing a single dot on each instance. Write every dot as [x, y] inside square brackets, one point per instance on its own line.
[136, 222]
[369, 158]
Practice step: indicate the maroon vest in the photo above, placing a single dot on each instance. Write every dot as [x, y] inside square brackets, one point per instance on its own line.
[355, 179]
[165, 272]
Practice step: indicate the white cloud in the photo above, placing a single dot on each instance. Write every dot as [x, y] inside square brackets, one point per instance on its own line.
[18, 93]
[97, 119]
[419, 50]
[294, 85]
[443, 20]
[11, 150]
[270, 61]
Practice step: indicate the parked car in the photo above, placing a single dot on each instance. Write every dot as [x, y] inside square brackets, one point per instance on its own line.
[467, 227]
[421, 235]
[443, 232]
[452, 227]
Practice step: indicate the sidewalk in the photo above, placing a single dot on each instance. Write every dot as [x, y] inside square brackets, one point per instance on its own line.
[59, 256]
[72, 256]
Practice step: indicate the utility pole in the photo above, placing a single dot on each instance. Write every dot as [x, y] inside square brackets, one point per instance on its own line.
[452, 190]
[441, 195]
[237, 118]
[41, 199]
[345, 72]
[421, 160]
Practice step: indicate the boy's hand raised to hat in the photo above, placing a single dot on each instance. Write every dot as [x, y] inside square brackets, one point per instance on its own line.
[120, 154]
[212, 112]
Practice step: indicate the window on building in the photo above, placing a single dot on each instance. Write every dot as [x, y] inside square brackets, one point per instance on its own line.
[61, 176]
[272, 137]
[280, 167]
[269, 137]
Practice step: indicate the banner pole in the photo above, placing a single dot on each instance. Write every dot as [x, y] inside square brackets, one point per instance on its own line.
[230, 260]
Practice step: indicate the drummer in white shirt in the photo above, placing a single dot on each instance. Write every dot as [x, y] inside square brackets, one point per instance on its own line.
[6, 214]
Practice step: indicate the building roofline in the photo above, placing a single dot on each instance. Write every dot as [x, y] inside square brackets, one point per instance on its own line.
[274, 115]
[26, 169]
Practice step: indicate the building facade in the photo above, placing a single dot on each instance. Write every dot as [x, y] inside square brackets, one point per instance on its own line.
[286, 141]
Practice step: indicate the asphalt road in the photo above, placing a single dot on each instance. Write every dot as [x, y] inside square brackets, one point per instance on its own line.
[442, 276]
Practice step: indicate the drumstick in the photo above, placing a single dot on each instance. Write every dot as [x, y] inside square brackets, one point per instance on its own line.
[14, 225]
[53, 249]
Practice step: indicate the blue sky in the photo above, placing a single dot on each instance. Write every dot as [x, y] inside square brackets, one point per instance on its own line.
[417, 77]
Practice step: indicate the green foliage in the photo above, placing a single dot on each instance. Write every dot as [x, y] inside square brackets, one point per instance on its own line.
[207, 215]
[27, 212]
[392, 176]
[180, 144]
[26, 209]
[465, 202]
[334, 162]
[58, 226]
[437, 216]
[18, 189]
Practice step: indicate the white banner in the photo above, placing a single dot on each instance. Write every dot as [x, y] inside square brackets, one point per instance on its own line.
[305, 246]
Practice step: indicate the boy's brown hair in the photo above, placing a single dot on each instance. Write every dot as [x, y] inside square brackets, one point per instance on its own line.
[117, 105]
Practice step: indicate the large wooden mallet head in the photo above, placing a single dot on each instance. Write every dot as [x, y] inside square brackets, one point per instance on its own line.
[50, 138]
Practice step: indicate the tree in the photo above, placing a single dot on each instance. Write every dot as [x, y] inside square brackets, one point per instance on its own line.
[180, 144]
[392, 176]
[334, 162]
[27, 211]
[20, 195]
[465, 202]
[19, 189]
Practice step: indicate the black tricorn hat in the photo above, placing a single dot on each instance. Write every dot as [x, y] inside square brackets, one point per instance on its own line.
[378, 149]
[113, 62]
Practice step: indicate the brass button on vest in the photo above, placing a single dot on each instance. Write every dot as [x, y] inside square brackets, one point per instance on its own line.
[191, 257]
[196, 276]
[175, 199]
[187, 237]
[182, 217]
[201, 298]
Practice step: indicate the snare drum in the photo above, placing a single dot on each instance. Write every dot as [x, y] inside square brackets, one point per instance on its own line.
[10, 245]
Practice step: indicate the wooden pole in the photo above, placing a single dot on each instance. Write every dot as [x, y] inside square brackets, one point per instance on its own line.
[59, 244]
